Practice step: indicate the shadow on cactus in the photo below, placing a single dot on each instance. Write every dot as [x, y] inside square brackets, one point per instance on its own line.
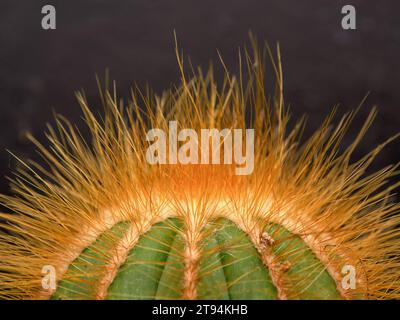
[106, 224]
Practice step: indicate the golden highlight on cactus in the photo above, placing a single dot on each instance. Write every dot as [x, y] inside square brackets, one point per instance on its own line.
[306, 224]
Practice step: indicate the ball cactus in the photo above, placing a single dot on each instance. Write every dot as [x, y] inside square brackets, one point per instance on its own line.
[112, 226]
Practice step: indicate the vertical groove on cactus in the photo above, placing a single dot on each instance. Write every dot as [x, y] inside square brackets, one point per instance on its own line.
[246, 276]
[212, 278]
[139, 276]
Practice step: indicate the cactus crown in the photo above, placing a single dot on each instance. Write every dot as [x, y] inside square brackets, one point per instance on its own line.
[114, 226]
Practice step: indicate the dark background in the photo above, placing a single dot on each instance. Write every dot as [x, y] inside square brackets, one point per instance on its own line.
[323, 64]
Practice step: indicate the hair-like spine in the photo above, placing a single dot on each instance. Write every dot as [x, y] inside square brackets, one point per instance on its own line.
[311, 189]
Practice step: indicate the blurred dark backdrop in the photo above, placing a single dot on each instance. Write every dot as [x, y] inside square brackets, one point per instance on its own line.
[323, 64]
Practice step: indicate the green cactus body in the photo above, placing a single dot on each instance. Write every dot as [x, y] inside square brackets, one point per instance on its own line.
[229, 267]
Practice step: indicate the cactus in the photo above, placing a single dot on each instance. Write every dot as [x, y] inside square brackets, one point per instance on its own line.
[114, 226]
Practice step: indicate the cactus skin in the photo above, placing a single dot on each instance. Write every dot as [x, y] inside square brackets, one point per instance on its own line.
[115, 227]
